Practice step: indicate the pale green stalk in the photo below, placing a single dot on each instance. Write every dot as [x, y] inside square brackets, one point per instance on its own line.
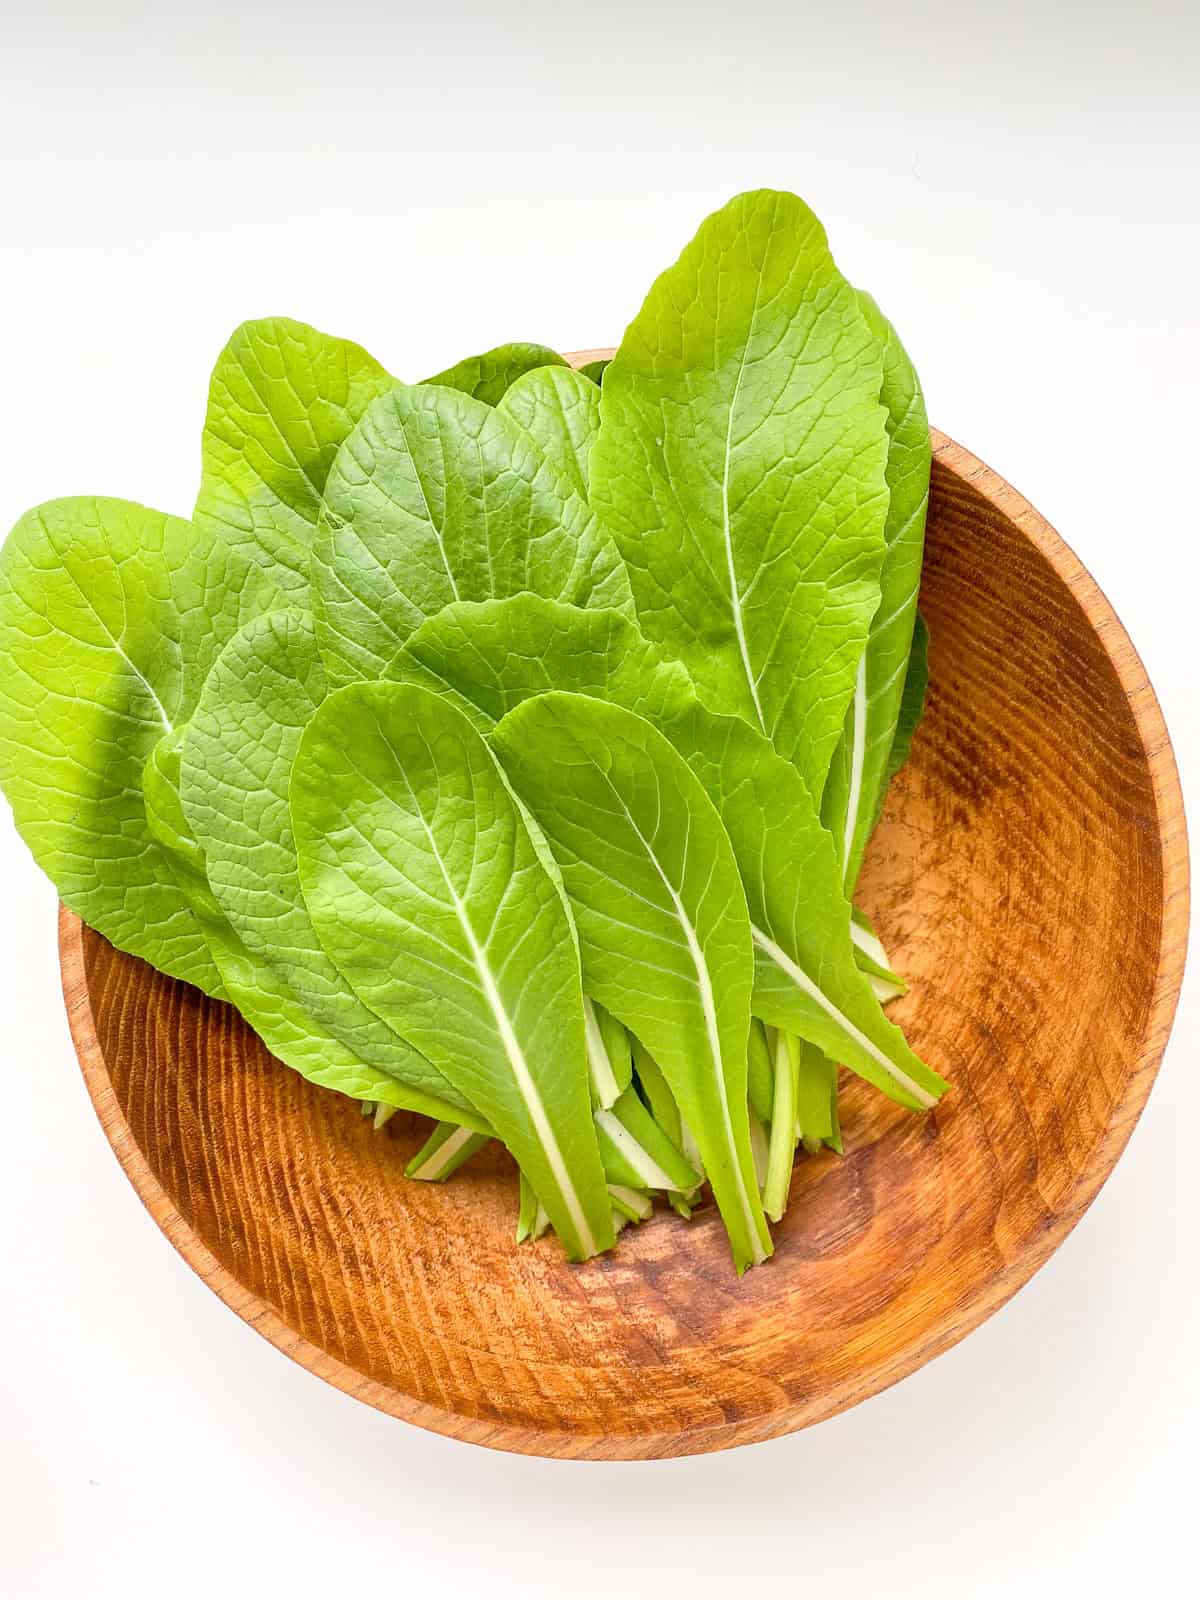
[782, 1153]
[446, 1149]
[601, 1078]
[816, 1101]
[636, 1151]
[631, 1204]
[759, 1149]
[527, 1210]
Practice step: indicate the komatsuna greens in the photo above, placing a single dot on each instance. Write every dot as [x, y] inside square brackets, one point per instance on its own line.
[505, 746]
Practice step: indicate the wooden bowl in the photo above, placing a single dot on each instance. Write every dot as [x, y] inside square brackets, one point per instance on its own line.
[1030, 877]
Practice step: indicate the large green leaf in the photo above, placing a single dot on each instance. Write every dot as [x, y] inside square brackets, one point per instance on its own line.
[425, 887]
[488, 376]
[560, 410]
[663, 931]
[740, 466]
[110, 616]
[237, 756]
[497, 655]
[282, 398]
[858, 774]
[437, 497]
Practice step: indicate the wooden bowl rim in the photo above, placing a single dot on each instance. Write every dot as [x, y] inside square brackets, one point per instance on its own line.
[988, 1297]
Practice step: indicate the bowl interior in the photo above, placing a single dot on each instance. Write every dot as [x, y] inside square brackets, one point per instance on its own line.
[1019, 880]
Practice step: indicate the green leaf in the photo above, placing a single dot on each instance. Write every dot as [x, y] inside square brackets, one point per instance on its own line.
[816, 1100]
[621, 1165]
[595, 370]
[436, 497]
[496, 654]
[859, 772]
[740, 466]
[651, 1159]
[424, 886]
[489, 376]
[806, 978]
[237, 758]
[656, 1092]
[601, 1077]
[618, 1047]
[110, 615]
[560, 411]
[499, 654]
[527, 1215]
[663, 932]
[761, 1068]
[282, 399]
[869, 952]
[912, 702]
[873, 959]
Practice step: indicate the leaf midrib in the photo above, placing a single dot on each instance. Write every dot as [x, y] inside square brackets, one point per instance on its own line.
[727, 525]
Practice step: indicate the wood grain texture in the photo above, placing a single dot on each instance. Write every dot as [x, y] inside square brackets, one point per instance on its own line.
[1030, 876]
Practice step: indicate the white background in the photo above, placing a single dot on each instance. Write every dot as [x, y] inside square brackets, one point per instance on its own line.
[1021, 196]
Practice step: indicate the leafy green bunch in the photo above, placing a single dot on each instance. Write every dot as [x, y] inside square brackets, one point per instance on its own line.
[504, 747]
